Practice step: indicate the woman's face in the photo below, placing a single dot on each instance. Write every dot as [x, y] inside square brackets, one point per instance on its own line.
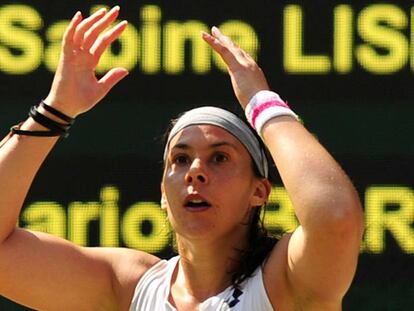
[209, 186]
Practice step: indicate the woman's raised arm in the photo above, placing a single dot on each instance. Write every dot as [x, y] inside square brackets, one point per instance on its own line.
[75, 89]
[39, 270]
[319, 259]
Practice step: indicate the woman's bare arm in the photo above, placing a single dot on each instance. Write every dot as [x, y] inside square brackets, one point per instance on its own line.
[320, 257]
[323, 251]
[36, 269]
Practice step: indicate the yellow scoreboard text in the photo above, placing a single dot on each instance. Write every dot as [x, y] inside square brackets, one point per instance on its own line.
[378, 38]
[387, 209]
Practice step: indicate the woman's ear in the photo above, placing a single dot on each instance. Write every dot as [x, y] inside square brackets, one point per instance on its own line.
[261, 192]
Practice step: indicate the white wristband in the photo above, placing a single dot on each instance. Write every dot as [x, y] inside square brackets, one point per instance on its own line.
[266, 105]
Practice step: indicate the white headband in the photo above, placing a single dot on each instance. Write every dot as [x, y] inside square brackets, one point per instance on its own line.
[228, 121]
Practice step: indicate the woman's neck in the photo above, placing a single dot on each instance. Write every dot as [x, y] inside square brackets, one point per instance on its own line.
[205, 267]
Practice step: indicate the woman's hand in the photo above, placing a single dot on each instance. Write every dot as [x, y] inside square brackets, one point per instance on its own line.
[75, 88]
[246, 76]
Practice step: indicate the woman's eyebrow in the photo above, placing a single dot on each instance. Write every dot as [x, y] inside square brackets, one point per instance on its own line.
[223, 143]
[181, 146]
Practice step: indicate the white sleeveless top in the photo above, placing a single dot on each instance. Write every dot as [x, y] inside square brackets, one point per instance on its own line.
[153, 289]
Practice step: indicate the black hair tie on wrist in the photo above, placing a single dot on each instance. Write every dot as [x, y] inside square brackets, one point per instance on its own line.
[57, 113]
[54, 128]
[16, 130]
[47, 122]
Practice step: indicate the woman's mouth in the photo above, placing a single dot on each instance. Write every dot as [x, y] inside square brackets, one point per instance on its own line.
[196, 204]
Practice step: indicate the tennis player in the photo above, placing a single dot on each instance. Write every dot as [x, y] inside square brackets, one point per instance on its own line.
[213, 187]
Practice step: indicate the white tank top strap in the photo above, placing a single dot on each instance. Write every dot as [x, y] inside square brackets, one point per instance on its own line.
[153, 289]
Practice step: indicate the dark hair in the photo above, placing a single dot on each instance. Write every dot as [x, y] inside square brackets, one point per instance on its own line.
[260, 241]
[260, 244]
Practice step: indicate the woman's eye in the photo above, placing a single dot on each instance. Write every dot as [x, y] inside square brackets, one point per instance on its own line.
[220, 157]
[180, 159]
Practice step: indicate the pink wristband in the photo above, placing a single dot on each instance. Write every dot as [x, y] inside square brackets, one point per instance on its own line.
[266, 105]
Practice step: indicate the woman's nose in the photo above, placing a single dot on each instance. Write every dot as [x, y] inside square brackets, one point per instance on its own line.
[196, 173]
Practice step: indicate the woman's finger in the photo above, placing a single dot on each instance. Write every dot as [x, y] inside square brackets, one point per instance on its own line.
[246, 76]
[85, 25]
[221, 37]
[222, 49]
[67, 42]
[106, 39]
[235, 49]
[111, 78]
[93, 33]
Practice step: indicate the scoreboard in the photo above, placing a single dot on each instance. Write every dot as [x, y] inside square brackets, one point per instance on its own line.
[346, 67]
